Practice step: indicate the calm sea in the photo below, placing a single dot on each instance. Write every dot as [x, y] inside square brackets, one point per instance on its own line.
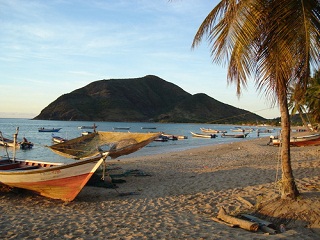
[29, 129]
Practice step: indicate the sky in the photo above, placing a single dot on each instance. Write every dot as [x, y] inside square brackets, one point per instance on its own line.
[51, 48]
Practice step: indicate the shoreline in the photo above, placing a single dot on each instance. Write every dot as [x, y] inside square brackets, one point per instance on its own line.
[175, 199]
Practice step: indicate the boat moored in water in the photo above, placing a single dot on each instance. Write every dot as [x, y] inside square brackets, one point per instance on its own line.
[202, 135]
[49, 129]
[234, 135]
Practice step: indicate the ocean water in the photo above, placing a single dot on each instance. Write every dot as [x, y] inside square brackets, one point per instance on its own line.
[29, 129]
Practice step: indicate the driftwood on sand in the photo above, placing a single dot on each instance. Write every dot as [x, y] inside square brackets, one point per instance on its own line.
[225, 223]
[247, 225]
[249, 204]
[265, 226]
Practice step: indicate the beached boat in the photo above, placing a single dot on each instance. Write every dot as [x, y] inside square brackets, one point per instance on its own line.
[209, 130]
[49, 129]
[53, 180]
[234, 135]
[65, 180]
[202, 135]
[308, 140]
[58, 139]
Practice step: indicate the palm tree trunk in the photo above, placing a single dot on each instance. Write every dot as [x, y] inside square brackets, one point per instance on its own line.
[289, 189]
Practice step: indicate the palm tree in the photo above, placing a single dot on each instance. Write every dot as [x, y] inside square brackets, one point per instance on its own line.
[276, 42]
[313, 97]
[297, 102]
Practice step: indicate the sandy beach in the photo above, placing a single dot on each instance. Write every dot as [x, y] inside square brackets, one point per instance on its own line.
[175, 196]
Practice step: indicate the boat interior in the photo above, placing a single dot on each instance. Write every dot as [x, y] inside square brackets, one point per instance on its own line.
[8, 164]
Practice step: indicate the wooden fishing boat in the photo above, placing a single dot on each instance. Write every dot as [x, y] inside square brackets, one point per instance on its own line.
[85, 133]
[161, 139]
[6, 142]
[181, 137]
[53, 180]
[65, 180]
[202, 135]
[209, 130]
[49, 129]
[234, 135]
[26, 145]
[170, 136]
[308, 140]
[116, 143]
[58, 139]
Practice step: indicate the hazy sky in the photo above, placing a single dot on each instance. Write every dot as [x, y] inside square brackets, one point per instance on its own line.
[50, 48]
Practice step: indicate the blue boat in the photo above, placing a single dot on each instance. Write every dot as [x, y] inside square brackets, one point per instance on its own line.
[49, 129]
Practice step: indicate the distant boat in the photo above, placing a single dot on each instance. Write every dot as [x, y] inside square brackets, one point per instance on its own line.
[175, 137]
[49, 129]
[121, 128]
[234, 135]
[58, 139]
[265, 130]
[88, 127]
[202, 135]
[180, 137]
[161, 138]
[237, 129]
[170, 137]
[209, 130]
[308, 140]
[85, 133]
[148, 128]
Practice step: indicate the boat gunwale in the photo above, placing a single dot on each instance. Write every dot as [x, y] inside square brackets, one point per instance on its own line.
[57, 166]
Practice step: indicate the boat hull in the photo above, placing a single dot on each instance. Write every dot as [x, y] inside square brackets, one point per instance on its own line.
[310, 140]
[7, 143]
[63, 181]
[209, 130]
[57, 139]
[200, 135]
[234, 135]
[49, 129]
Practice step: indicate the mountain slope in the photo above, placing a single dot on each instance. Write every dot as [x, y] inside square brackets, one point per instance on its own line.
[149, 98]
